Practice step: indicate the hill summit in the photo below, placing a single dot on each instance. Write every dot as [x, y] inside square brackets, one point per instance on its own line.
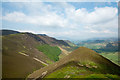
[82, 62]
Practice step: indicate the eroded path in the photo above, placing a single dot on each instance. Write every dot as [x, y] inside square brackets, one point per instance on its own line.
[34, 58]
[40, 61]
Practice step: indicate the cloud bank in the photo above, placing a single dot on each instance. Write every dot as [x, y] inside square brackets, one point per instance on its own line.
[69, 20]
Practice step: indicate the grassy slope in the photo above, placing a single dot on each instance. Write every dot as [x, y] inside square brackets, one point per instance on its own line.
[52, 52]
[16, 65]
[75, 71]
[89, 68]
[81, 59]
[113, 56]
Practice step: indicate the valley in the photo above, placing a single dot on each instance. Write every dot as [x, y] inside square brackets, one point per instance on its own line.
[107, 47]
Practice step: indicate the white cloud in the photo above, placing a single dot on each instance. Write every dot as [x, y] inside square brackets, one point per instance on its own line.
[99, 15]
[63, 15]
[15, 16]
[60, 0]
[79, 16]
[44, 20]
[27, 31]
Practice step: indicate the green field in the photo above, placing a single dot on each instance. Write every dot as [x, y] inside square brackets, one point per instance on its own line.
[92, 45]
[52, 52]
[113, 56]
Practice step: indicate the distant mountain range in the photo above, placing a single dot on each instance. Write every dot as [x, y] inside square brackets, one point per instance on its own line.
[107, 45]
[96, 40]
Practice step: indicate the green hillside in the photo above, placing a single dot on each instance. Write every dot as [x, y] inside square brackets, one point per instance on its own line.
[19, 56]
[24, 53]
[52, 52]
[81, 63]
[86, 63]
[73, 70]
[113, 56]
[36, 56]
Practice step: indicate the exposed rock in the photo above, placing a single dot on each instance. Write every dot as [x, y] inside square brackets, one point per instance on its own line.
[43, 74]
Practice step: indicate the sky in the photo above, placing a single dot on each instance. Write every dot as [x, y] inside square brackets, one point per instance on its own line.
[62, 20]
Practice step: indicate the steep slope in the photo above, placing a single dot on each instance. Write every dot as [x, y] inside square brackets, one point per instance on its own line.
[70, 43]
[20, 56]
[21, 53]
[52, 52]
[53, 41]
[63, 45]
[81, 62]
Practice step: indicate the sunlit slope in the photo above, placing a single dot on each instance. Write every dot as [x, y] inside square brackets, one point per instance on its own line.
[22, 53]
[83, 64]
[82, 61]
[20, 56]
[52, 52]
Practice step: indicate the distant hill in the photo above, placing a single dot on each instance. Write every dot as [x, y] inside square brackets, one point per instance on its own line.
[105, 38]
[42, 34]
[70, 43]
[81, 63]
[22, 53]
[101, 45]
[96, 40]
[7, 32]
[108, 47]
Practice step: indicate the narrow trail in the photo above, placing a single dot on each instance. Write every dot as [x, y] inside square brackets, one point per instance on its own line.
[40, 61]
[23, 54]
[34, 59]
[64, 51]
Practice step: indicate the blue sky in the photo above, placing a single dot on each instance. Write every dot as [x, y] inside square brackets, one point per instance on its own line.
[62, 20]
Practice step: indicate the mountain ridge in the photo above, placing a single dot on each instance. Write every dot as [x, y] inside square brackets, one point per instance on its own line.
[17, 46]
[77, 57]
[21, 48]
